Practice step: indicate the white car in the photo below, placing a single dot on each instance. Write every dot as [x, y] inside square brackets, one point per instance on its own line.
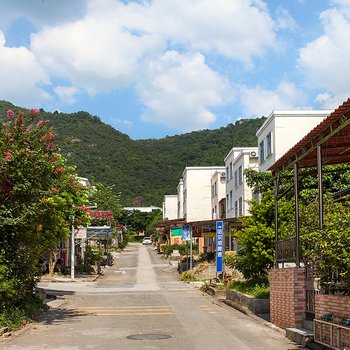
[146, 240]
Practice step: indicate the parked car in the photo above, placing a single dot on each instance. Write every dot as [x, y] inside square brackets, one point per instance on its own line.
[146, 240]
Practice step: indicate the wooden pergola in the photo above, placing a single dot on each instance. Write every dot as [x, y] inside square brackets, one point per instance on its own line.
[327, 144]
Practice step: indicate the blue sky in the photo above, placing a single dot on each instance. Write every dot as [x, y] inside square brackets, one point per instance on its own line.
[165, 67]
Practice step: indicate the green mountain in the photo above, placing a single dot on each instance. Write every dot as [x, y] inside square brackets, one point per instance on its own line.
[142, 170]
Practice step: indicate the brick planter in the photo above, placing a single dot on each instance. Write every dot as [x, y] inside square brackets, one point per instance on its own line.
[287, 297]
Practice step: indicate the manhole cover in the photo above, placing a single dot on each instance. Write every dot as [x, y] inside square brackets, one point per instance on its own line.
[148, 336]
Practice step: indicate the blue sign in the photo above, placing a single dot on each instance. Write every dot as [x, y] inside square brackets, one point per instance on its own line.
[219, 245]
[186, 233]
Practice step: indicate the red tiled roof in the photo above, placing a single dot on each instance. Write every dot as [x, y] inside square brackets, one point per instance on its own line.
[332, 134]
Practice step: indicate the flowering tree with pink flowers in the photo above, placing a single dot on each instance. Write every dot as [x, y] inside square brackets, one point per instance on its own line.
[38, 192]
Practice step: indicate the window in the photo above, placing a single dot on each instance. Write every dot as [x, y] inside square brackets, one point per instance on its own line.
[227, 174]
[215, 189]
[236, 208]
[240, 206]
[261, 151]
[268, 145]
[212, 191]
[231, 203]
[240, 174]
[227, 203]
[231, 175]
[236, 179]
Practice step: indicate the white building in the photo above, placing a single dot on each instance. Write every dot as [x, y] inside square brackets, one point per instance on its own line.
[282, 130]
[170, 207]
[143, 209]
[197, 192]
[238, 193]
[218, 195]
[180, 199]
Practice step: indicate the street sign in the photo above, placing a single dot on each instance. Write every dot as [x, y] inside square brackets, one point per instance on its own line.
[186, 233]
[219, 246]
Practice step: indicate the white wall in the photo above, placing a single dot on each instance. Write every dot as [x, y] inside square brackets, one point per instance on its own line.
[197, 192]
[286, 129]
[170, 207]
[180, 196]
[238, 193]
[218, 192]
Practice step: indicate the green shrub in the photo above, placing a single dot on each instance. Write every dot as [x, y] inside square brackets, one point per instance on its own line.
[258, 288]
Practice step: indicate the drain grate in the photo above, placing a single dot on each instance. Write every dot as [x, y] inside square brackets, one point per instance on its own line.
[148, 336]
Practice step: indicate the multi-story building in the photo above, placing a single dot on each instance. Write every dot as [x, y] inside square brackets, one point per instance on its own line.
[170, 207]
[218, 195]
[197, 192]
[281, 130]
[238, 193]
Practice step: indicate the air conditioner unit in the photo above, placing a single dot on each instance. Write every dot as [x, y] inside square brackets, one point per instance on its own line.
[253, 154]
[223, 175]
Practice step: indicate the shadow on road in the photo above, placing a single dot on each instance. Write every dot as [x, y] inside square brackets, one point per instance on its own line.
[54, 316]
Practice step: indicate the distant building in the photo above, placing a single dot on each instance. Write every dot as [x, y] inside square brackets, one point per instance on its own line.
[143, 209]
[238, 193]
[218, 193]
[281, 130]
[170, 207]
[197, 192]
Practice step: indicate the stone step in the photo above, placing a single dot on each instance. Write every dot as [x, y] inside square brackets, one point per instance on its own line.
[300, 336]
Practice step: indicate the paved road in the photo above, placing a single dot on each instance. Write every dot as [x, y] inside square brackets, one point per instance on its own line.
[139, 303]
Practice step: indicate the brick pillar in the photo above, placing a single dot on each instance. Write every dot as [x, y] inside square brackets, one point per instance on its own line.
[287, 296]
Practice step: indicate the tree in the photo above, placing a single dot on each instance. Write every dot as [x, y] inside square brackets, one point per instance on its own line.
[37, 195]
[257, 238]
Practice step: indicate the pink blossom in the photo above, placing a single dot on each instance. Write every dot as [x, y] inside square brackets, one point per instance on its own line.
[10, 113]
[8, 155]
[59, 170]
[54, 189]
[47, 121]
[12, 139]
[17, 121]
[52, 136]
[40, 122]
[50, 145]
[26, 143]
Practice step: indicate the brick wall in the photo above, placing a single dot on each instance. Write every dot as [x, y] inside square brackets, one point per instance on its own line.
[287, 296]
[340, 307]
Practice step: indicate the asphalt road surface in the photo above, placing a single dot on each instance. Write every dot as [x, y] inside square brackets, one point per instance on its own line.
[139, 303]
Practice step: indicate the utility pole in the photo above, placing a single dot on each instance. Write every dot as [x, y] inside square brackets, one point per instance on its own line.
[72, 249]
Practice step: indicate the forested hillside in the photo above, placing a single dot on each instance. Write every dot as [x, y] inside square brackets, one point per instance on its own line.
[142, 170]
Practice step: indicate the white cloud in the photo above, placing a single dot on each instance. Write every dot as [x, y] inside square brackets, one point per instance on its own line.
[259, 101]
[179, 90]
[20, 75]
[40, 11]
[67, 94]
[96, 54]
[284, 20]
[326, 59]
[229, 28]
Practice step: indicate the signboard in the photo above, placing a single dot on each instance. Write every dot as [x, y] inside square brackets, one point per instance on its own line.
[80, 232]
[219, 246]
[176, 235]
[186, 233]
[99, 232]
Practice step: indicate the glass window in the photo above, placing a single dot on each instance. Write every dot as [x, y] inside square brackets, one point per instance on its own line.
[261, 151]
[240, 174]
[236, 208]
[268, 145]
[240, 206]
[231, 175]
[236, 178]
[231, 203]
